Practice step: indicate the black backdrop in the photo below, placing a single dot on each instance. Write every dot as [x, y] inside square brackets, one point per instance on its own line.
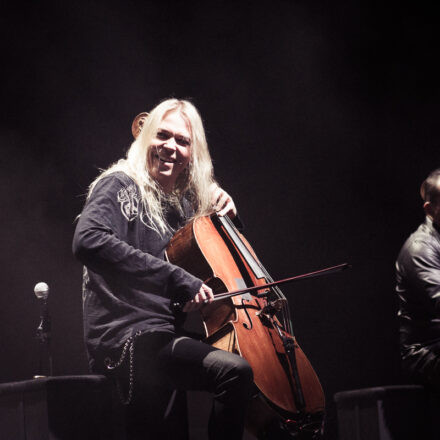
[322, 121]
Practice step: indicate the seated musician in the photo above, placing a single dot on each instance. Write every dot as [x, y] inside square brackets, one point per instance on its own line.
[132, 210]
[418, 288]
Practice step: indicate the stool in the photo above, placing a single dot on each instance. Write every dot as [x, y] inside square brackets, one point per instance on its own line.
[396, 412]
[60, 408]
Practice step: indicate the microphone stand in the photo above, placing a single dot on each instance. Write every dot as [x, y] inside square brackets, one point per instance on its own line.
[43, 335]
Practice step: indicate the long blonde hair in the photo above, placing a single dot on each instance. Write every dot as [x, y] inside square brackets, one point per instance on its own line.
[194, 182]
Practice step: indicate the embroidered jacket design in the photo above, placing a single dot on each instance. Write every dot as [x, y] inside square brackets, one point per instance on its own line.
[86, 292]
[129, 200]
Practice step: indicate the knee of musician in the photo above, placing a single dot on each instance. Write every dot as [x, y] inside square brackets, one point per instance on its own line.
[237, 382]
[244, 372]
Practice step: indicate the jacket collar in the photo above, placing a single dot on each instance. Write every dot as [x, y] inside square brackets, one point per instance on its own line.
[433, 227]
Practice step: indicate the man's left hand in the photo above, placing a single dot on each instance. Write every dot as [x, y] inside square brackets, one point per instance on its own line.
[222, 202]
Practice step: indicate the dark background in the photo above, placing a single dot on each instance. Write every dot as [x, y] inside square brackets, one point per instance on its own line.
[322, 121]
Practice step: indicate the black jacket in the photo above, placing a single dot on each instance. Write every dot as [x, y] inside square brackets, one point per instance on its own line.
[128, 286]
[418, 289]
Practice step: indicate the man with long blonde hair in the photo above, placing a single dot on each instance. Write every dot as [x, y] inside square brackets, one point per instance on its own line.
[132, 210]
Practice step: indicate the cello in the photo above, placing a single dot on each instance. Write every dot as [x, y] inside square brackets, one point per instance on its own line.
[289, 399]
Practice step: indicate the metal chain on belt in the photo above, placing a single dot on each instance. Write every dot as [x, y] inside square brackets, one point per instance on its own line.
[128, 346]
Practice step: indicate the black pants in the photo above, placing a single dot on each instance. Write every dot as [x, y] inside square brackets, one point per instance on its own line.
[164, 363]
[422, 364]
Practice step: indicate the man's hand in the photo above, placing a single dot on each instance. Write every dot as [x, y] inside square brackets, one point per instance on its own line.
[205, 293]
[222, 202]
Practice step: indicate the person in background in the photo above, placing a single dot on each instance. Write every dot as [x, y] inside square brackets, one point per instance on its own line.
[418, 290]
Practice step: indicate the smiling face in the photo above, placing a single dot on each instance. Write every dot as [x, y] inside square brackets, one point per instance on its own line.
[170, 150]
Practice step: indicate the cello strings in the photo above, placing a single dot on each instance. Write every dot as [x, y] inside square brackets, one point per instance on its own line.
[285, 312]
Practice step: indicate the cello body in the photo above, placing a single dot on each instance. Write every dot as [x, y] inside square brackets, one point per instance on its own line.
[289, 397]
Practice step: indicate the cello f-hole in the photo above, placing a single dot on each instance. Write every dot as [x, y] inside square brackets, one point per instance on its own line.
[246, 326]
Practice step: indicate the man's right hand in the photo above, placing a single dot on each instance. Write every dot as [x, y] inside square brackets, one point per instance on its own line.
[205, 293]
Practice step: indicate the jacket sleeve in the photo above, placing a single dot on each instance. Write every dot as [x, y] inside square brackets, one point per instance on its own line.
[98, 243]
[421, 264]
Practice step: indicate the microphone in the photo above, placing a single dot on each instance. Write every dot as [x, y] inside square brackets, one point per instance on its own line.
[41, 291]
